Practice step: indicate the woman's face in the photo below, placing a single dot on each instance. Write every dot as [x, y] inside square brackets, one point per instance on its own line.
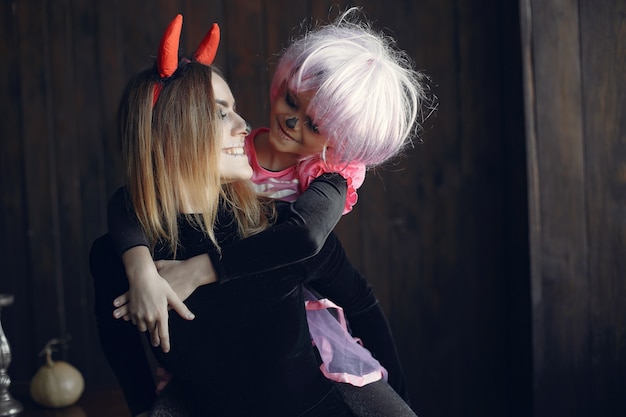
[291, 129]
[233, 164]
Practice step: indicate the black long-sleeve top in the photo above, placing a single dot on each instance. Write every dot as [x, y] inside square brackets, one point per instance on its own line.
[257, 317]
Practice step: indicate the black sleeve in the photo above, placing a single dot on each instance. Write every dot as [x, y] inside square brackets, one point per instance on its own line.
[120, 340]
[299, 234]
[124, 228]
[333, 276]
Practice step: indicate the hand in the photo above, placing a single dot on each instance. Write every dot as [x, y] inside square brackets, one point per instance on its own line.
[148, 308]
[185, 276]
[149, 296]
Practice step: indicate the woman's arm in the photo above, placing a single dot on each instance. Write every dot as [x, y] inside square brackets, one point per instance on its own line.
[149, 295]
[124, 228]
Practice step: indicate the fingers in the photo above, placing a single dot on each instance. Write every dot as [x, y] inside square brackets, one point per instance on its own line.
[141, 325]
[162, 325]
[121, 312]
[158, 329]
[181, 309]
[159, 334]
[155, 337]
[163, 330]
[121, 300]
[121, 303]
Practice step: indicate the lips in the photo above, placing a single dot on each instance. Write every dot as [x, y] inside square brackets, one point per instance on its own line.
[234, 150]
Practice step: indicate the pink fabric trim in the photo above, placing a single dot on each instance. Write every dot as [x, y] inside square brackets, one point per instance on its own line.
[354, 173]
[323, 304]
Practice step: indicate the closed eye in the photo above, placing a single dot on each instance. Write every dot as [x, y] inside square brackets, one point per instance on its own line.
[223, 108]
[312, 126]
[291, 102]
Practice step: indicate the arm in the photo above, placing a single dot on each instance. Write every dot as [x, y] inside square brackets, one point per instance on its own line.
[299, 234]
[124, 228]
[148, 298]
[308, 221]
[149, 295]
[334, 277]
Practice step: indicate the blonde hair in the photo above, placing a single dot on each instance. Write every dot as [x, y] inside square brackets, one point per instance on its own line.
[171, 154]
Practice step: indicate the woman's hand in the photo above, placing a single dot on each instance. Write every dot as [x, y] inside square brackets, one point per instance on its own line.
[148, 299]
[185, 276]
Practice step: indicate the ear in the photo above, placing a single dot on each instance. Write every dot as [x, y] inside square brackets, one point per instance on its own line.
[167, 57]
[205, 54]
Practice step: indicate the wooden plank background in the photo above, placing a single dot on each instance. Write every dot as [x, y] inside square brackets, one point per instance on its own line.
[575, 87]
[442, 234]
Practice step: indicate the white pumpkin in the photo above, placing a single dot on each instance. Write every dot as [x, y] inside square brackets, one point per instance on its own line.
[57, 383]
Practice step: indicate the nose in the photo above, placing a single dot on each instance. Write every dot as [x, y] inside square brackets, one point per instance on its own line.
[291, 122]
[241, 126]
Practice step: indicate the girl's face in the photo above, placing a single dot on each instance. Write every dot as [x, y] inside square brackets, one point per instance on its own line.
[291, 129]
[233, 164]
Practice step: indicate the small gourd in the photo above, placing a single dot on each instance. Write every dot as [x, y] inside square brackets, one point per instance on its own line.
[57, 383]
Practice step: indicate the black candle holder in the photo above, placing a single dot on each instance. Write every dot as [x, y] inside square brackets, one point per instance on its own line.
[9, 406]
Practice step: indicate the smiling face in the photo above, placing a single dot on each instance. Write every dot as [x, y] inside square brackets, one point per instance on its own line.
[292, 131]
[233, 163]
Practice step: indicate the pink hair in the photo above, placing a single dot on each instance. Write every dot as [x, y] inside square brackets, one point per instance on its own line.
[368, 97]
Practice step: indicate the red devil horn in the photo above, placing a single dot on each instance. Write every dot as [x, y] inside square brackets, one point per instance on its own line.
[167, 57]
[205, 54]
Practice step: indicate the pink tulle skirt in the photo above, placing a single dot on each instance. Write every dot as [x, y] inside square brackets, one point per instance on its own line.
[344, 359]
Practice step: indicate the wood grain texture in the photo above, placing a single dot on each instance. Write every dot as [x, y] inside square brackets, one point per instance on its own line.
[561, 286]
[603, 76]
[574, 75]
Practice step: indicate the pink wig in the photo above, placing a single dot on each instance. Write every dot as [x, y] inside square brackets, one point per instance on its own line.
[368, 99]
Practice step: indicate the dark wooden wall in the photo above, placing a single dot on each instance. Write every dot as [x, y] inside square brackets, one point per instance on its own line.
[442, 235]
[575, 88]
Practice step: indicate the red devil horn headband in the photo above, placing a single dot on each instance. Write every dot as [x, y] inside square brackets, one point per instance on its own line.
[205, 54]
[167, 56]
